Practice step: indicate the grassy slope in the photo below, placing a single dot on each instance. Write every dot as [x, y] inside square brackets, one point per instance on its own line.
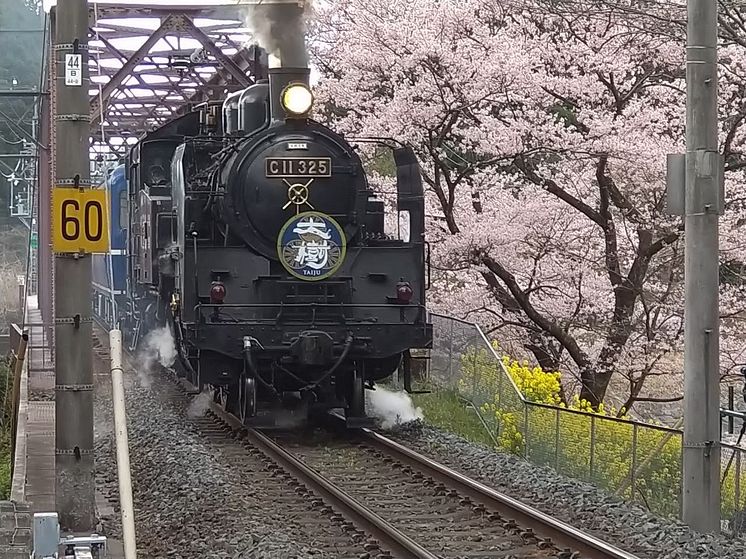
[12, 258]
[5, 457]
[446, 411]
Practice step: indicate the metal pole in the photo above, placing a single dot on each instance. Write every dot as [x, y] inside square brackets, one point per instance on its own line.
[44, 208]
[701, 495]
[122, 441]
[73, 355]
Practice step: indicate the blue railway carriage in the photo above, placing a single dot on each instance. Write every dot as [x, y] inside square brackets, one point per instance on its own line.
[110, 270]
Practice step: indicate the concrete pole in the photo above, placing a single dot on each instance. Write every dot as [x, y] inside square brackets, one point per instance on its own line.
[701, 487]
[73, 354]
[122, 443]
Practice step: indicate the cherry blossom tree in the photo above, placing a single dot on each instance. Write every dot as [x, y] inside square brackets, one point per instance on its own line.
[542, 128]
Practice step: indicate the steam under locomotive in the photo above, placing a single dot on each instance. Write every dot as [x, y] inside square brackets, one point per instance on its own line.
[254, 237]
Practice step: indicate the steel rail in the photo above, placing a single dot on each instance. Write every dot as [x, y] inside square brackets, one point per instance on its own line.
[388, 536]
[543, 525]
[558, 532]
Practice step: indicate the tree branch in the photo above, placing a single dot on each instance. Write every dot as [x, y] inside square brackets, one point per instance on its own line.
[564, 338]
[550, 186]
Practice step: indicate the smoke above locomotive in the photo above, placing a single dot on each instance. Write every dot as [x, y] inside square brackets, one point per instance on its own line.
[280, 29]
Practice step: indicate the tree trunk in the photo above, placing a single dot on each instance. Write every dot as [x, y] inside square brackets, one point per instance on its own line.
[592, 391]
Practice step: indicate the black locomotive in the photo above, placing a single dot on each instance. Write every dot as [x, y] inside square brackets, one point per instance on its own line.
[256, 239]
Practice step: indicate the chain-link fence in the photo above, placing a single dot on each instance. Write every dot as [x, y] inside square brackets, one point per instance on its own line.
[474, 395]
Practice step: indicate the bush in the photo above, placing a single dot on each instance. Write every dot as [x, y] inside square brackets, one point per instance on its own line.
[595, 446]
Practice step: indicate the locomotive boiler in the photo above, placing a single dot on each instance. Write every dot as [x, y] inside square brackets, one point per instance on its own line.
[258, 242]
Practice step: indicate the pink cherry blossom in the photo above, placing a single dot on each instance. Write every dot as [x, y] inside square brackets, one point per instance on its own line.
[542, 131]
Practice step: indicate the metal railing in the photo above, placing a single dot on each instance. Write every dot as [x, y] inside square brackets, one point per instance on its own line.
[637, 461]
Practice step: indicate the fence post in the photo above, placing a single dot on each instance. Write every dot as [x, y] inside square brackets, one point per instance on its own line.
[474, 370]
[21, 295]
[450, 353]
[556, 438]
[730, 407]
[525, 430]
[681, 480]
[633, 465]
[738, 481]
[593, 446]
[500, 375]
[659, 447]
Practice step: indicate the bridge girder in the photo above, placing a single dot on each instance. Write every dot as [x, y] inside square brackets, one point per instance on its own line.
[149, 63]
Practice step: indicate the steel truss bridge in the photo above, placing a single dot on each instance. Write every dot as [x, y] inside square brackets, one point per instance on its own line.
[147, 64]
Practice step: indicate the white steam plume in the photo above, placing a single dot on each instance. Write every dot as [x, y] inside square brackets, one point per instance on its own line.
[392, 408]
[280, 29]
[159, 348]
[199, 406]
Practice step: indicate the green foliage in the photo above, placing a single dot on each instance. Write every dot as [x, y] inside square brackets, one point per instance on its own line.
[21, 25]
[584, 444]
[21, 38]
[5, 434]
[448, 411]
[12, 263]
[13, 248]
[382, 163]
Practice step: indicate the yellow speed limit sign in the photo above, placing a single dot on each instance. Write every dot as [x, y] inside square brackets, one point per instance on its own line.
[80, 220]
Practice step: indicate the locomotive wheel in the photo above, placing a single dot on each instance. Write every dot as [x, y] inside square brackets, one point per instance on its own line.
[247, 402]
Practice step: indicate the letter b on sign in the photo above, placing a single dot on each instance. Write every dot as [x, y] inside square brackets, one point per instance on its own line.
[80, 220]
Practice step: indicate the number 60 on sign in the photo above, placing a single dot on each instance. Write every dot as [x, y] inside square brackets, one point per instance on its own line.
[80, 220]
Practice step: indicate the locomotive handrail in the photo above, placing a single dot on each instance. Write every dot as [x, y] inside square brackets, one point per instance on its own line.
[419, 311]
[427, 263]
[306, 305]
[375, 140]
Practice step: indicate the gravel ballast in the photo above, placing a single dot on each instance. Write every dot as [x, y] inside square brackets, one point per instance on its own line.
[626, 525]
[189, 502]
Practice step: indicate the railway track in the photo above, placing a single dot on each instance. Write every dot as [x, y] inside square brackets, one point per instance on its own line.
[413, 506]
[363, 495]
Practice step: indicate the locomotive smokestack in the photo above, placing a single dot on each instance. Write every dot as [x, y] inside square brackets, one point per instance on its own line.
[280, 28]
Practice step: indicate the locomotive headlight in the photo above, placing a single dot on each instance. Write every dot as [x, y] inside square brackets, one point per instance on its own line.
[297, 99]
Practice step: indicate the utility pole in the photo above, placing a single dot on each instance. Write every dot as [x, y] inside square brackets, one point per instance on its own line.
[73, 354]
[704, 201]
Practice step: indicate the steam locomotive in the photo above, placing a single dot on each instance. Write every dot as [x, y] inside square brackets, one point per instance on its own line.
[254, 237]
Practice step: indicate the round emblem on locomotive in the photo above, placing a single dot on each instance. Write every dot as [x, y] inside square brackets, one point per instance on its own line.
[311, 246]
